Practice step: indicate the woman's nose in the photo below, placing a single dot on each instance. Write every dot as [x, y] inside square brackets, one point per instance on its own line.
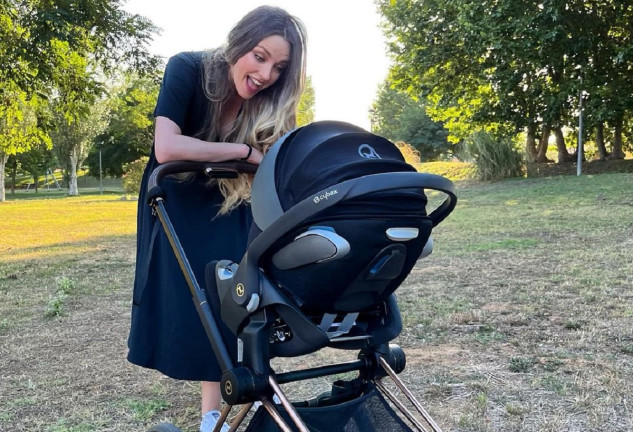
[266, 71]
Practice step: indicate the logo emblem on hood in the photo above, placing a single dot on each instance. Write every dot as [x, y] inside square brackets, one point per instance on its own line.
[366, 151]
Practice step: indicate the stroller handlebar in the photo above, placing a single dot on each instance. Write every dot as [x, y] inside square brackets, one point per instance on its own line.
[228, 169]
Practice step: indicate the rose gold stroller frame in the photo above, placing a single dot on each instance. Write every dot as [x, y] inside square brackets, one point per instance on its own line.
[298, 422]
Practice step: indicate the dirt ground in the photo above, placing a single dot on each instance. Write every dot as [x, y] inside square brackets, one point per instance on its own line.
[529, 332]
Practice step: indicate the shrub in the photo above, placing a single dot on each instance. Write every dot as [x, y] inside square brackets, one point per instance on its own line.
[451, 170]
[65, 285]
[133, 175]
[521, 364]
[56, 305]
[494, 160]
[410, 153]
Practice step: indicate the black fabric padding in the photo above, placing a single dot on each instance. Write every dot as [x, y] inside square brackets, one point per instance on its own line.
[302, 172]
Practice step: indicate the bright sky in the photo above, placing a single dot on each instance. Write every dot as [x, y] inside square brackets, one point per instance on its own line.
[346, 49]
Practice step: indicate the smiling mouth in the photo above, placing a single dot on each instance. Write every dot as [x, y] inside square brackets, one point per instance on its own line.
[256, 82]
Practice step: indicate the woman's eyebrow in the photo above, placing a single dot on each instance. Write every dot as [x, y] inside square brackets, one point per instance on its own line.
[270, 55]
[262, 48]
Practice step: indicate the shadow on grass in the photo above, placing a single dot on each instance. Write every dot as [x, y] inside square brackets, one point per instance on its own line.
[53, 193]
[63, 251]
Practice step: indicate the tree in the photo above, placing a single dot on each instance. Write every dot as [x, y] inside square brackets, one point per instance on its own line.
[130, 125]
[78, 112]
[398, 117]
[19, 128]
[514, 64]
[36, 161]
[39, 39]
[607, 75]
[73, 137]
[305, 110]
[98, 28]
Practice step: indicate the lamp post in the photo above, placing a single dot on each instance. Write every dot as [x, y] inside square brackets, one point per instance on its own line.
[100, 172]
[581, 150]
[372, 119]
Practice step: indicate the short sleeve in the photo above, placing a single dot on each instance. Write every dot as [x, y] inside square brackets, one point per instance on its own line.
[178, 89]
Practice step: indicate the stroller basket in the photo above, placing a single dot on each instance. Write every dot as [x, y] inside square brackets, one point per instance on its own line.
[367, 412]
[340, 220]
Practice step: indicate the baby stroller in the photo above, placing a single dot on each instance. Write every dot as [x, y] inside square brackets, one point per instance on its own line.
[339, 222]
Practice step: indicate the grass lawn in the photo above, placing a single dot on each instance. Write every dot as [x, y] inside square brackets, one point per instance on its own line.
[520, 320]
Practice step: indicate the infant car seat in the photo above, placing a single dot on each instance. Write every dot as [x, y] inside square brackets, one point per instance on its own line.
[339, 221]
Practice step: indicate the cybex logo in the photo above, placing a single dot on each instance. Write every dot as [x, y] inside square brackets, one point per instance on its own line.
[368, 152]
[325, 196]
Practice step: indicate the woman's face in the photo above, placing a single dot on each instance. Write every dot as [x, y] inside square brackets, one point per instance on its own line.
[261, 67]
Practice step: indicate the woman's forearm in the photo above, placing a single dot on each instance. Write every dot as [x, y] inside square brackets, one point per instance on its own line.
[171, 145]
[180, 147]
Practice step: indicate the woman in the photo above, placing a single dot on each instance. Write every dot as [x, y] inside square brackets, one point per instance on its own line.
[224, 104]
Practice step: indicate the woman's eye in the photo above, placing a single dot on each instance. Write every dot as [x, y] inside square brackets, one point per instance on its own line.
[279, 69]
[259, 58]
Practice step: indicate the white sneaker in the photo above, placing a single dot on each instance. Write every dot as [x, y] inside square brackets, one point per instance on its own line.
[210, 419]
[276, 400]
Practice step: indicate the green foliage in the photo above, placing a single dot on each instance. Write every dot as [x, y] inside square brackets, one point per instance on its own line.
[56, 306]
[399, 117]
[494, 160]
[19, 126]
[32, 33]
[76, 128]
[521, 364]
[130, 125]
[504, 66]
[65, 285]
[36, 161]
[305, 110]
[134, 175]
[516, 409]
[572, 324]
[59, 50]
[145, 409]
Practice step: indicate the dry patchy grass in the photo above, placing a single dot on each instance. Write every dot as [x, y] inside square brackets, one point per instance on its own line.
[521, 320]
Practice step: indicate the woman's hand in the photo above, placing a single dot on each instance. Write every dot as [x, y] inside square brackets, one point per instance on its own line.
[255, 156]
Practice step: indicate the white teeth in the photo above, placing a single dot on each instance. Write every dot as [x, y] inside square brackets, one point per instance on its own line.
[257, 83]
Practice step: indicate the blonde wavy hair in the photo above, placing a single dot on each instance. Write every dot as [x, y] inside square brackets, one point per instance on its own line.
[271, 112]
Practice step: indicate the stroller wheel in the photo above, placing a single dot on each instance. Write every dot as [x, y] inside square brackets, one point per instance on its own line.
[164, 427]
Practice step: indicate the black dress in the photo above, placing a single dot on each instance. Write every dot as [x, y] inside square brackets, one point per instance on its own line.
[166, 333]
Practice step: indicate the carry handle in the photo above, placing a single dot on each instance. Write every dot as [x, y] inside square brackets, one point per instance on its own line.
[349, 189]
[228, 169]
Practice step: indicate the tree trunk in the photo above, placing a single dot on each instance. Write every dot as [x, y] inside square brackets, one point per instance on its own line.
[14, 174]
[602, 149]
[66, 177]
[617, 152]
[563, 154]
[530, 143]
[73, 190]
[542, 148]
[3, 161]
